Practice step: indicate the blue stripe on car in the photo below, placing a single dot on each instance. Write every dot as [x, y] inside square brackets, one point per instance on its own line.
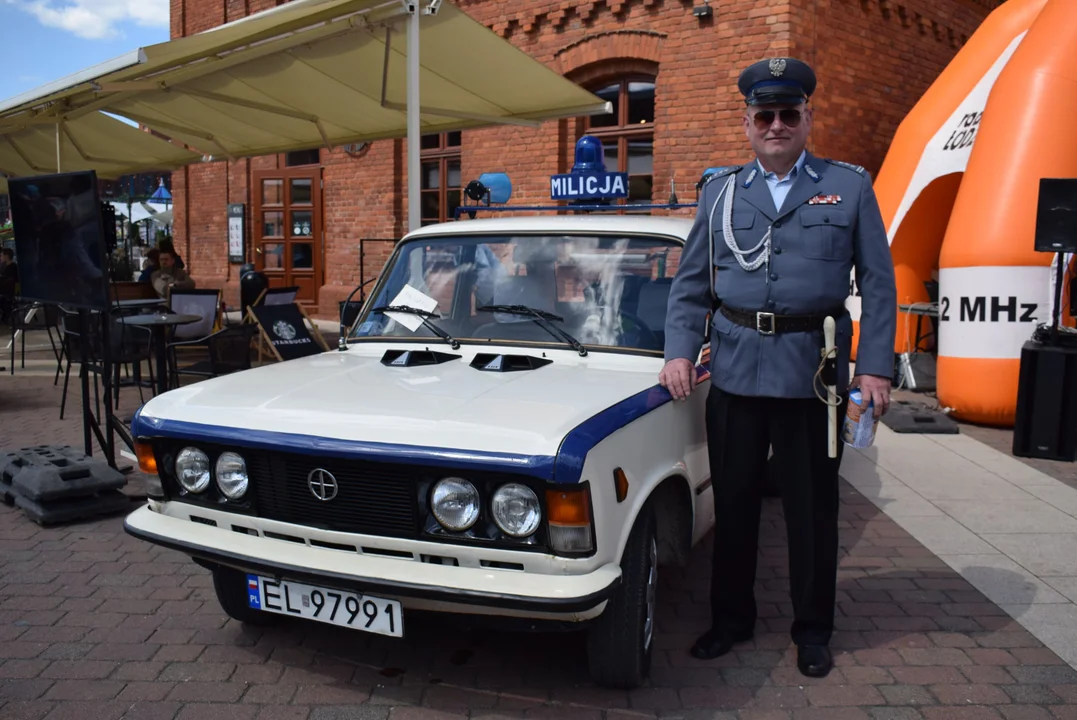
[581, 439]
[564, 469]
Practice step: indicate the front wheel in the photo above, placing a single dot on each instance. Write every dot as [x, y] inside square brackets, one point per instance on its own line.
[620, 641]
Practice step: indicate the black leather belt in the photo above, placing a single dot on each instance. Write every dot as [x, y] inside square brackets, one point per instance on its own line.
[768, 323]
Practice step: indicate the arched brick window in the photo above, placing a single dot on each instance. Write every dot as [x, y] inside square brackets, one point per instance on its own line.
[628, 133]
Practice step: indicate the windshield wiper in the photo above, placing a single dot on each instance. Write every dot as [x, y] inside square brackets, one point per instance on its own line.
[425, 316]
[543, 319]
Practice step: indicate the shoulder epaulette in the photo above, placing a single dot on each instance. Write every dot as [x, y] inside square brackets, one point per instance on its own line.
[848, 166]
[722, 172]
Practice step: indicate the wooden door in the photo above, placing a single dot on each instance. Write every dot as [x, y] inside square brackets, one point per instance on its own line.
[288, 230]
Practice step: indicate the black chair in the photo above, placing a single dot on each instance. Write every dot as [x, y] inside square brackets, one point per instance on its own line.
[131, 345]
[227, 351]
[279, 296]
[75, 336]
[44, 317]
[8, 297]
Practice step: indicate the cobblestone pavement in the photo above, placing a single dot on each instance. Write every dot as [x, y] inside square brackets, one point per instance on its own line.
[95, 625]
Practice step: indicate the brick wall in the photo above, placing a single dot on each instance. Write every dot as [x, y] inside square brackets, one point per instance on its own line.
[874, 59]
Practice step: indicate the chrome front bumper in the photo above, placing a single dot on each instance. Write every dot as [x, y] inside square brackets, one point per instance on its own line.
[429, 585]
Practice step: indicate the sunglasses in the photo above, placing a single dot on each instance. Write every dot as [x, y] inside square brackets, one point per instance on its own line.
[790, 117]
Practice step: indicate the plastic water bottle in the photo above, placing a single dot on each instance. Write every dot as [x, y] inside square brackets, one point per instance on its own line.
[858, 430]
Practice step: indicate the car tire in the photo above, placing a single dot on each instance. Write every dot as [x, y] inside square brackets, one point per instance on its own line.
[231, 588]
[620, 641]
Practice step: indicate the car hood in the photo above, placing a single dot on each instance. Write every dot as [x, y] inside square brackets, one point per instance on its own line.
[353, 396]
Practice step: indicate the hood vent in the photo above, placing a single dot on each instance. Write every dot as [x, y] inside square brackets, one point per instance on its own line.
[491, 362]
[412, 358]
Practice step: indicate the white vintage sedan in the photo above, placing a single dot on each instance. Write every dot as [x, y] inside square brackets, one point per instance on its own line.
[491, 440]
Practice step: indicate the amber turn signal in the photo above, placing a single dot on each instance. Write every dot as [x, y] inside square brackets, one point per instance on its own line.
[620, 484]
[568, 507]
[147, 462]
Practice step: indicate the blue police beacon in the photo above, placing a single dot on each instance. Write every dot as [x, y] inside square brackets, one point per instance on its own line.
[589, 179]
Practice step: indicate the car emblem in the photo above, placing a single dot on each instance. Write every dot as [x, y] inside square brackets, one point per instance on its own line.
[322, 484]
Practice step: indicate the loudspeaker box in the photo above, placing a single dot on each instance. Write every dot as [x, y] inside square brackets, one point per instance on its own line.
[1046, 422]
[1056, 216]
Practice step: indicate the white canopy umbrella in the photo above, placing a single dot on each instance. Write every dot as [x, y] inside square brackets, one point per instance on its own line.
[158, 212]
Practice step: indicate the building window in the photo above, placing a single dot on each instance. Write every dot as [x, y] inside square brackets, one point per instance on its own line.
[303, 157]
[440, 159]
[627, 133]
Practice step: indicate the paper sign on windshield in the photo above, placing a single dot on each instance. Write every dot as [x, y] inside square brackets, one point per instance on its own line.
[416, 299]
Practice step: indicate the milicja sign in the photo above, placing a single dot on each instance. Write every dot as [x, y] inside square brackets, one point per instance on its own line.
[583, 186]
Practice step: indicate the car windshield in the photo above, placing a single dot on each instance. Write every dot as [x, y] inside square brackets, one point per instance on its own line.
[604, 291]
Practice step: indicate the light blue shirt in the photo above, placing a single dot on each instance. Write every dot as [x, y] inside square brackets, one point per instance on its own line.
[780, 188]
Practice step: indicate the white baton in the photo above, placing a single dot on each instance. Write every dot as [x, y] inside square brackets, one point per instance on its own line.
[831, 390]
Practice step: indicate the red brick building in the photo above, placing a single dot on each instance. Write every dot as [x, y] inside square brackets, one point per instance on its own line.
[670, 74]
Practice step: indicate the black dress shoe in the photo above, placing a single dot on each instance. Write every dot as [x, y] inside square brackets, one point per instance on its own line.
[714, 644]
[814, 660]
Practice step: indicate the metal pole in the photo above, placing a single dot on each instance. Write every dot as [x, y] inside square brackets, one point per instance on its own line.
[414, 167]
[58, 148]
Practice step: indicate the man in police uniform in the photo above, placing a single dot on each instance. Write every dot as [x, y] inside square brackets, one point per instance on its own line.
[769, 257]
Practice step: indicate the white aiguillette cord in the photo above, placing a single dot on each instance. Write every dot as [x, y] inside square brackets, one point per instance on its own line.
[727, 233]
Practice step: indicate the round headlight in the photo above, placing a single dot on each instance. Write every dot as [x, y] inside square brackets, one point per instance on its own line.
[232, 475]
[455, 503]
[516, 510]
[192, 469]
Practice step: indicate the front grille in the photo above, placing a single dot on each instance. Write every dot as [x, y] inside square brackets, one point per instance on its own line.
[373, 498]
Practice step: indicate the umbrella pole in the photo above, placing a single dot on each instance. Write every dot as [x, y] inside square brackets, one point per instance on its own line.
[414, 167]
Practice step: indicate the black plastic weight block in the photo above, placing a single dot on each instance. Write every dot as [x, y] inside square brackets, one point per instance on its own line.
[49, 472]
[78, 508]
[906, 417]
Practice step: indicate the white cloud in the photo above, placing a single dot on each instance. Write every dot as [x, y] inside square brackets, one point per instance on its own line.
[96, 19]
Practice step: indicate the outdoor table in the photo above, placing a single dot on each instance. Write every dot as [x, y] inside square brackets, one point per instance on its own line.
[138, 303]
[157, 322]
[920, 310]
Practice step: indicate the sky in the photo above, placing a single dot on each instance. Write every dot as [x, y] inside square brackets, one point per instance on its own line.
[46, 40]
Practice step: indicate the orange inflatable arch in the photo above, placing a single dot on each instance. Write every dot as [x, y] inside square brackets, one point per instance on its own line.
[958, 192]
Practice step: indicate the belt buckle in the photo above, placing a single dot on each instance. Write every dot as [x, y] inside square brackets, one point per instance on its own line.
[759, 324]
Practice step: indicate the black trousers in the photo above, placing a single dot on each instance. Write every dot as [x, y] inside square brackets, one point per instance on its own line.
[741, 431]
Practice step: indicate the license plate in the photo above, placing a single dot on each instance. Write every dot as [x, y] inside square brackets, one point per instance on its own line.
[336, 607]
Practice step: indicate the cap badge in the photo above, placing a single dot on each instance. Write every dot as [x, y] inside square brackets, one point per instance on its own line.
[777, 67]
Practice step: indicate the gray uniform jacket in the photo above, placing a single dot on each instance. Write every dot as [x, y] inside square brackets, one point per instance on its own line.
[814, 247]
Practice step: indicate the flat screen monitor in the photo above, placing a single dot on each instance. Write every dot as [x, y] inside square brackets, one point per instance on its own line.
[60, 239]
[1056, 215]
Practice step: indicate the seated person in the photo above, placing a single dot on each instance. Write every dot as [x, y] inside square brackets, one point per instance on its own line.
[165, 245]
[9, 269]
[151, 265]
[170, 277]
